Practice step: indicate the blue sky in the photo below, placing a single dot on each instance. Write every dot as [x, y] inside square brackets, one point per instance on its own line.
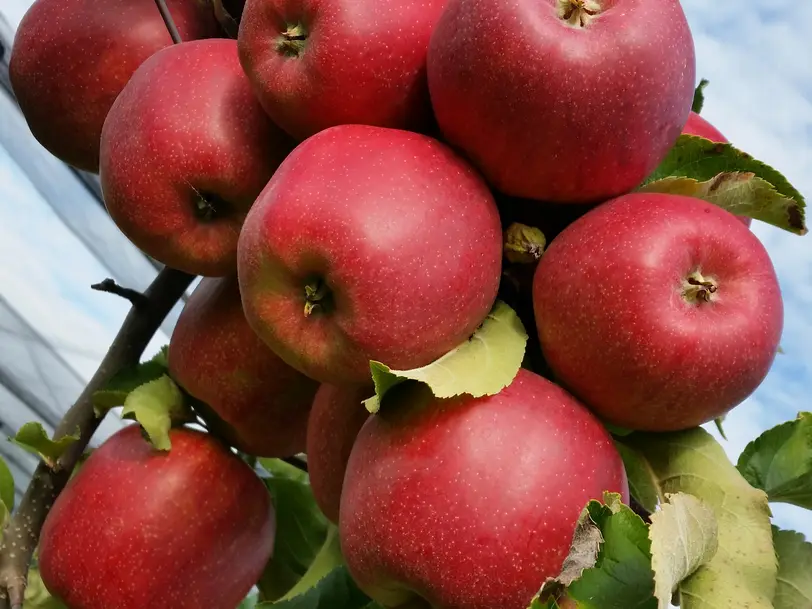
[756, 55]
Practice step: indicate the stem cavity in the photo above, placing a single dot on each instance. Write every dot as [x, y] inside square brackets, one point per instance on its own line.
[292, 41]
[317, 297]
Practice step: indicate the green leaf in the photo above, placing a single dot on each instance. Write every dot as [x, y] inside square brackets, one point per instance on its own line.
[281, 469]
[33, 438]
[794, 589]
[127, 380]
[249, 602]
[699, 96]
[6, 486]
[37, 595]
[155, 405]
[740, 193]
[483, 365]
[743, 570]
[301, 529]
[162, 357]
[643, 484]
[336, 590]
[779, 462]
[328, 558]
[609, 564]
[702, 160]
[683, 535]
[719, 421]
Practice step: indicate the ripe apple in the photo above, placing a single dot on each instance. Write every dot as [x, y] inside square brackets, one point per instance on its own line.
[568, 101]
[697, 125]
[135, 527]
[335, 419]
[317, 64]
[660, 312]
[369, 243]
[216, 357]
[472, 502]
[71, 59]
[185, 151]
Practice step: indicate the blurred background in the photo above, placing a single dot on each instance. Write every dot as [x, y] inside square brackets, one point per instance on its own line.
[56, 239]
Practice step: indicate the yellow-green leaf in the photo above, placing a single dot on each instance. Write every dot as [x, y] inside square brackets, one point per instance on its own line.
[740, 193]
[743, 571]
[6, 486]
[483, 365]
[702, 160]
[683, 535]
[155, 405]
[33, 438]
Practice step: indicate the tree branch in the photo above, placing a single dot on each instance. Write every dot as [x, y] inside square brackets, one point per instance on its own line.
[135, 297]
[22, 532]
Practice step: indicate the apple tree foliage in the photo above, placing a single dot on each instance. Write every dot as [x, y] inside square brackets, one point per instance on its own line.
[699, 531]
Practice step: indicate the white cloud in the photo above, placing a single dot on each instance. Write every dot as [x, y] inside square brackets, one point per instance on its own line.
[760, 97]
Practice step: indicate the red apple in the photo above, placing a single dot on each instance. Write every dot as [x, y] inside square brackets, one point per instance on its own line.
[569, 101]
[316, 64]
[216, 357]
[661, 312]
[71, 59]
[135, 527]
[335, 419]
[369, 243]
[697, 125]
[185, 151]
[472, 502]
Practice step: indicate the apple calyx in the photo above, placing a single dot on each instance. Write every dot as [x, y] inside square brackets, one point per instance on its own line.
[697, 289]
[578, 13]
[317, 297]
[523, 244]
[209, 206]
[292, 41]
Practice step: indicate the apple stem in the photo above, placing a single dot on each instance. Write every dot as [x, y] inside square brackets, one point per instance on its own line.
[698, 289]
[292, 41]
[578, 13]
[316, 293]
[168, 21]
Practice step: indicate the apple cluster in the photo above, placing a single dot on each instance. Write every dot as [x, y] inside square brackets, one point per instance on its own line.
[362, 181]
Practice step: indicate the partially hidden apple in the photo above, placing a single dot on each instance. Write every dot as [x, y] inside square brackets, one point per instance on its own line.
[699, 126]
[660, 312]
[316, 64]
[185, 151]
[262, 403]
[369, 243]
[336, 417]
[136, 527]
[71, 58]
[566, 101]
[471, 503]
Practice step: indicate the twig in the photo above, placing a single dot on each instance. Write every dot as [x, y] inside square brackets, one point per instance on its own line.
[22, 532]
[136, 298]
[168, 21]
